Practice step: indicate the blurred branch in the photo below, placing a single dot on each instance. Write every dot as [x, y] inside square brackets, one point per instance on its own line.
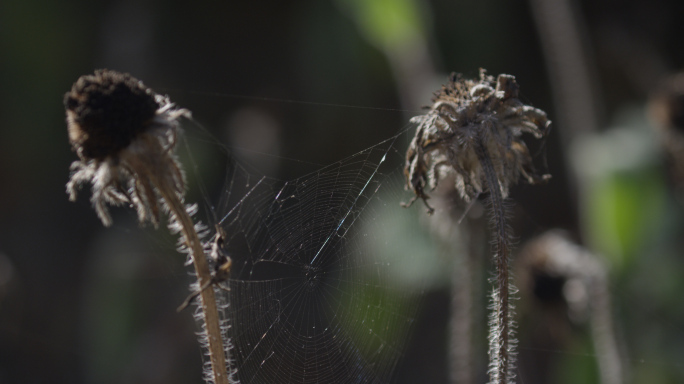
[569, 64]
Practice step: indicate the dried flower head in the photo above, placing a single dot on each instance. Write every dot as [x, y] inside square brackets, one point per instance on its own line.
[124, 135]
[667, 105]
[556, 270]
[468, 121]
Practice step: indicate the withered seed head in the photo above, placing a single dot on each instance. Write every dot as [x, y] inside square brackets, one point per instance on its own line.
[105, 111]
[666, 107]
[667, 104]
[124, 135]
[467, 120]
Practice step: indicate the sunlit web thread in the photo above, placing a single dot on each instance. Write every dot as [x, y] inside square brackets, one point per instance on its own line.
[349, 211]
[308, 304]
[291, 101]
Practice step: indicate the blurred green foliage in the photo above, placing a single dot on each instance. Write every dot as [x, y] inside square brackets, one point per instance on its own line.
[388, 24]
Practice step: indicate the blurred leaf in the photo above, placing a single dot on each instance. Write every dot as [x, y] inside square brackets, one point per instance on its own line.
[388, 24]
[625, 194]
[579, 366]
[623, 212]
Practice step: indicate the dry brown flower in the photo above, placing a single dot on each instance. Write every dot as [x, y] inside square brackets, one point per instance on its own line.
[124, 135]
[470, 118]
[473, 133]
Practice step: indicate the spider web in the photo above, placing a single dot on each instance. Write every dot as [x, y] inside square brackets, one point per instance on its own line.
[319, 292]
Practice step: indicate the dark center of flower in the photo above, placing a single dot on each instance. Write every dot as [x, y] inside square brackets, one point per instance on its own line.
[107, 110]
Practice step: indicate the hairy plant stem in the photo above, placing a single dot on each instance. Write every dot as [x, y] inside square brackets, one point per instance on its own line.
[217, 353]
[500, 347]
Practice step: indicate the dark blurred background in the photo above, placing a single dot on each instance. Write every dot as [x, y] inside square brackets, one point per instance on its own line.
[83, 304]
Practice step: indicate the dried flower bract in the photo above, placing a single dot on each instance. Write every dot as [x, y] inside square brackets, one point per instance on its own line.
[124, 135]
[469, 120]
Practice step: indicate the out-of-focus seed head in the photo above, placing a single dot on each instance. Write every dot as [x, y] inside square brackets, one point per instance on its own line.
[124, 135]
[667, 104]
[469, 118]
[666, 107]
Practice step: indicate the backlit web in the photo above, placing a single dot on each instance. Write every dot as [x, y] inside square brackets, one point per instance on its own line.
[321, 289]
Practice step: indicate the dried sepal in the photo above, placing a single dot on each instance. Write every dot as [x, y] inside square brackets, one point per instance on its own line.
[468, 116]
[124, 135]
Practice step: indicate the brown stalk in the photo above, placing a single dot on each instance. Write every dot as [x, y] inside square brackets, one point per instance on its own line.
[210, 312]
[501, 353]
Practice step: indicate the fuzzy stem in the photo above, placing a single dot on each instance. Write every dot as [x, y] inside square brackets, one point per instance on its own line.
[500, 348]
[209, 308]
